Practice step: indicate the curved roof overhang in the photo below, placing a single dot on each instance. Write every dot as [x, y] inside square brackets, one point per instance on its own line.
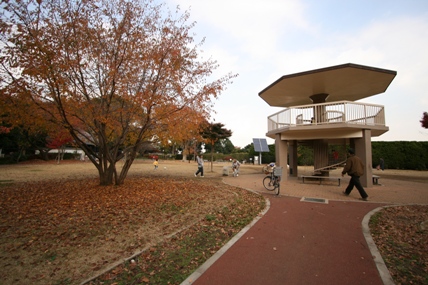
[346, 82]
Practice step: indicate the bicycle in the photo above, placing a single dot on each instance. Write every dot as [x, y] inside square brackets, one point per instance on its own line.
[235, 171]
[272, 181]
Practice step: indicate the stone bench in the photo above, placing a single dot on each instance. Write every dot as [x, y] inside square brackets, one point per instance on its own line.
[375, 179]
[320, 178]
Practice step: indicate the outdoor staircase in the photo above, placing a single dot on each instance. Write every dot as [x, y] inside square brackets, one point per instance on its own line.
[328, 168]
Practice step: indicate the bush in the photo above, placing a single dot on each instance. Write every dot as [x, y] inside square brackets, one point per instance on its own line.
[411, 155]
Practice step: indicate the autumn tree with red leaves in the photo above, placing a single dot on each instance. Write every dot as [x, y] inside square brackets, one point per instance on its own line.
[115, 71]
[59, 141]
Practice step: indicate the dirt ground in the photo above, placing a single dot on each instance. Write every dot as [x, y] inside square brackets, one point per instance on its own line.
[51, 170]
[59, 228]
[39, 171]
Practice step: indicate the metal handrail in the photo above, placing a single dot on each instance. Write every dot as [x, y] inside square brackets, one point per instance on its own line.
[328, 113]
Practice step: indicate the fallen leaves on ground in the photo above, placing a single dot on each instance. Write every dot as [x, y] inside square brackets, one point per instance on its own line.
[64, 232]
[401, 236]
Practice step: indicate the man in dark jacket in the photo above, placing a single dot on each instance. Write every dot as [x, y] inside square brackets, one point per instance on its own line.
[355, 168]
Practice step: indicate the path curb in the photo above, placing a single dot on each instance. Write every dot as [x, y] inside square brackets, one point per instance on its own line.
[377, 258]
[204, 267]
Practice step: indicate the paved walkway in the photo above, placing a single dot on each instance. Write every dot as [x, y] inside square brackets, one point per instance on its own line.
[299, 242]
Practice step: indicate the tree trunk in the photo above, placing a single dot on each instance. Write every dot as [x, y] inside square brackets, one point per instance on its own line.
[124, 172]
[212, 156]
[129, 160]
[43, 153]
[105, 174]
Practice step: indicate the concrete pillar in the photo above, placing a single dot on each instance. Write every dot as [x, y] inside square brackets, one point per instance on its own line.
[281, 153]
[292, 157]
[363, 149]
[321, 155]
[319, 111]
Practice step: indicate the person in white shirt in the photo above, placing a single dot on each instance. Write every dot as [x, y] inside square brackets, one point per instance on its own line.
[235, 167]
[200, 161]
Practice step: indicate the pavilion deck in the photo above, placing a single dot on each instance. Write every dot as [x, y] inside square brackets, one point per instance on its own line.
[361, 115]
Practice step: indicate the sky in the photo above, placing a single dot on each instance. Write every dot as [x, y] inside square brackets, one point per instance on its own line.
[263, 40]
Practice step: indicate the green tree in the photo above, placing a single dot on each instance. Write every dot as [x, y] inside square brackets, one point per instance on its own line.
[224, 146]
[212, 133]
[114, 71]
[267, 157]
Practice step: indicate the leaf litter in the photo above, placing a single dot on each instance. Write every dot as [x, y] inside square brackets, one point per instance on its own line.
[64, 232]
[401, 237]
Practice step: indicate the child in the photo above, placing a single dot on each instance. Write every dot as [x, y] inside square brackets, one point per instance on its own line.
[156, 163]
[235, 167]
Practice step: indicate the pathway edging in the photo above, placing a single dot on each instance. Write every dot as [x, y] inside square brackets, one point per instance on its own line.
[377, 257]
[204, 267]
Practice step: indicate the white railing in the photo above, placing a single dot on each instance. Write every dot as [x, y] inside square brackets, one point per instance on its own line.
[328, 113]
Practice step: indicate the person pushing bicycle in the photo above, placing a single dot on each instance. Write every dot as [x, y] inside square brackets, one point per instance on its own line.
[235, 167]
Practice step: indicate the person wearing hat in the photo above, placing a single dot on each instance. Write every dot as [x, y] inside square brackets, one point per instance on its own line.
[355, 168]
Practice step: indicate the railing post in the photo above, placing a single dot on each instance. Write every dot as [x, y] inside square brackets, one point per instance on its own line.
[365, 114]
[353, 112]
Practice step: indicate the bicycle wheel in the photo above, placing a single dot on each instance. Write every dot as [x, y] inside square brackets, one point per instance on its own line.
[269, 183]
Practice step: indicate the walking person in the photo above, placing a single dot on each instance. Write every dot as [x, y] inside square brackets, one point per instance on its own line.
[156, 163]
[200, 161]
[355, 168]
[382, 164]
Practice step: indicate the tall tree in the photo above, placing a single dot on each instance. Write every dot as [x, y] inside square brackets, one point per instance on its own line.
[184, 129]
[212, 132]
[116, 71]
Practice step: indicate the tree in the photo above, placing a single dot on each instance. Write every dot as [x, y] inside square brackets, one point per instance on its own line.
[29, 125]
[59, 141]
[184, 130]
[115, 72]
[424, 120]
[212, 132]
[224, 146]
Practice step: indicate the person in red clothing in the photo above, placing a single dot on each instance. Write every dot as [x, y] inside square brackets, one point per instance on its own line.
[355, 168]
[335, 156]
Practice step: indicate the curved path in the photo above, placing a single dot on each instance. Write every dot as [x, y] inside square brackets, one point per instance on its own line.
[307, 241]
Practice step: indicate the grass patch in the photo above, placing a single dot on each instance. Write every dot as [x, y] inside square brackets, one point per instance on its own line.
[172, 261]
[6, 182]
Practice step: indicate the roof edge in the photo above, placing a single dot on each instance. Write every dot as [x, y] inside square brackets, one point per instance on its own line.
[352, 65]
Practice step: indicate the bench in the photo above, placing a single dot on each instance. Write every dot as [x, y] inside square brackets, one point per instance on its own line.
[375, 179]
[320, 178]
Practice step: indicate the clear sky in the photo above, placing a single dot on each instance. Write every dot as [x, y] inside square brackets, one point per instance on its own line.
[263, 40]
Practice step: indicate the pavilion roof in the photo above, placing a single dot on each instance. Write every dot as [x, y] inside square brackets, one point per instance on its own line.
[350, 82]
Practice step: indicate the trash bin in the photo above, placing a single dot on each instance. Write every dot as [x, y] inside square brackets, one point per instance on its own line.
[225, 170]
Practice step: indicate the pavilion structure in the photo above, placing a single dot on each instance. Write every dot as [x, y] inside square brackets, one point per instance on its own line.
[321, 111]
